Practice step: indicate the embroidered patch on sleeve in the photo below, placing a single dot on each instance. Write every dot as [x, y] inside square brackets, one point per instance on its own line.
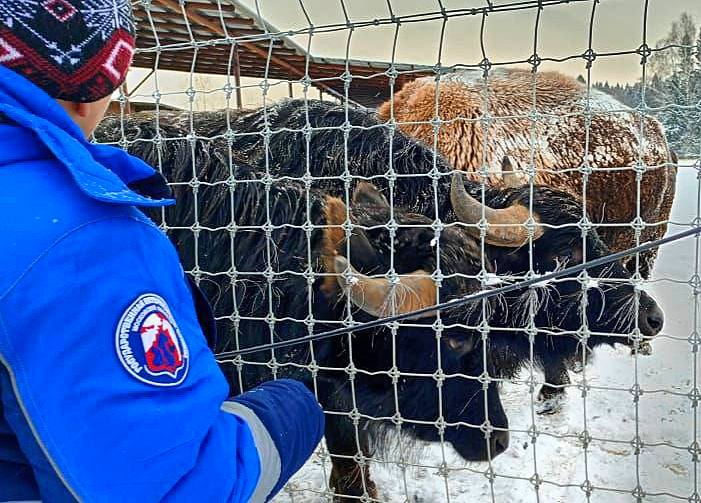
[149, 343]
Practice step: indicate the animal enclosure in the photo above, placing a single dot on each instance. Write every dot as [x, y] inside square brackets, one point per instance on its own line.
[336, 163]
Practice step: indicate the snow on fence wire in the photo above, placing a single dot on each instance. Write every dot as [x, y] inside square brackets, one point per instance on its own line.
[270, 197]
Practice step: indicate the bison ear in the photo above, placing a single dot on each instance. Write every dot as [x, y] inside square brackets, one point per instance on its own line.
[362, 253]
[366, 194]
[461, 344]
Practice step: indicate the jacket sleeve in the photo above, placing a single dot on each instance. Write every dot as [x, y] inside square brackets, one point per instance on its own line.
[118, 389]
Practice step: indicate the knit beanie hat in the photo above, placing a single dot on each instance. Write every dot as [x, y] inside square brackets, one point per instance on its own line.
[75, 50]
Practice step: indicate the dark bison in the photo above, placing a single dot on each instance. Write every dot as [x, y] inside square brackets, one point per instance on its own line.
[613, 143]
[335, 147]
[278, 259]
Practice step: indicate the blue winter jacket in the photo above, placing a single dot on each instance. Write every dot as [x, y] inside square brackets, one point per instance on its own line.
[108, 389]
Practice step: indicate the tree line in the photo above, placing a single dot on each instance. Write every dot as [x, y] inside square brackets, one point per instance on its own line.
[671, 89]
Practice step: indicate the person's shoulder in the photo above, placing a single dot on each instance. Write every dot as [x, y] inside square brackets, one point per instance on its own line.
[39, 204]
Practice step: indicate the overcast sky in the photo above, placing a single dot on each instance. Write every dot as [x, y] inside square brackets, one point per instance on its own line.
[509, 36]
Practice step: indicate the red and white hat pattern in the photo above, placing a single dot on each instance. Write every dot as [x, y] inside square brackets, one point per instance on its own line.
[76, 50]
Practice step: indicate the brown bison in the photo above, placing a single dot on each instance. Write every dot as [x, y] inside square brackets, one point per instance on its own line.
[482, 122]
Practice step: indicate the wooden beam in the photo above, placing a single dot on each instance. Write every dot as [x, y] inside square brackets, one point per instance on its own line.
[216, 27]
[228, 11]
[127, 104]
[252, 66]
[237, 78]
[177, 19]
[202, 66]
[225, 8]
[148, 41]
[221, 50]
[171, 34]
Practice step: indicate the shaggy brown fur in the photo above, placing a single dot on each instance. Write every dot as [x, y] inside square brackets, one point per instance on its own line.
[335, 212]
[555, 143]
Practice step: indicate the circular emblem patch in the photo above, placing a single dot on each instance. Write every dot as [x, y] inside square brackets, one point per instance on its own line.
[149, 343]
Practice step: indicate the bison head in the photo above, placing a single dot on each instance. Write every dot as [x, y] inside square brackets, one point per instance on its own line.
[438, 386]
[542, 229]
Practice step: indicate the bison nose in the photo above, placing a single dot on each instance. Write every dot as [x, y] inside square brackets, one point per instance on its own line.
[651, 318]
[498, 442]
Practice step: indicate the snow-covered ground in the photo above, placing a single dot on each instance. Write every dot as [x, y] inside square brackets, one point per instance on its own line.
[664, 468]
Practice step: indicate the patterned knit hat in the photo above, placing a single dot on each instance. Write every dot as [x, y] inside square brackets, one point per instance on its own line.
[75, 50]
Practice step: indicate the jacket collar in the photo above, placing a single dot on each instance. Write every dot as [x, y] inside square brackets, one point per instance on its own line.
[102, 172]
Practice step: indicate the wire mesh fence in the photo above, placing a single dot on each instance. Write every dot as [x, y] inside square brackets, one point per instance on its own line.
[413, 183]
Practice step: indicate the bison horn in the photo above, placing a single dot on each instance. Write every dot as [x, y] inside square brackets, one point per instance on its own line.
[509, 175]
[375, 296]
[505, 225]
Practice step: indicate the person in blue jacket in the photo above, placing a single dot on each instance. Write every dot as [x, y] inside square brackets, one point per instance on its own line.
[108, 390]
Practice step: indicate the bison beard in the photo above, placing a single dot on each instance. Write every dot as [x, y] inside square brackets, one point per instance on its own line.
[280, 277]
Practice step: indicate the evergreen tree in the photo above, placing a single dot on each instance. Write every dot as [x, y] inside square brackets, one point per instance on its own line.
[675, 84]
[672, 90]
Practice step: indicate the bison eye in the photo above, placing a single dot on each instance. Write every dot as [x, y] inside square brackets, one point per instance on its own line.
[576, 255]
[462, 344]
[569, 257]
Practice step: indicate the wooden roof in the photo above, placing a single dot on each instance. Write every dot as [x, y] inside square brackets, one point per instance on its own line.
[115, 107]
[210, 36]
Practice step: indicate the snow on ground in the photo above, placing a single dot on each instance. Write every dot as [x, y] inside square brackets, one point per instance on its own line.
[664, 466]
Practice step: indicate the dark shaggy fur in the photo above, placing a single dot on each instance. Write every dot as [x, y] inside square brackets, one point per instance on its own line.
[323, 138]
[320, 139]
[231, 262]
